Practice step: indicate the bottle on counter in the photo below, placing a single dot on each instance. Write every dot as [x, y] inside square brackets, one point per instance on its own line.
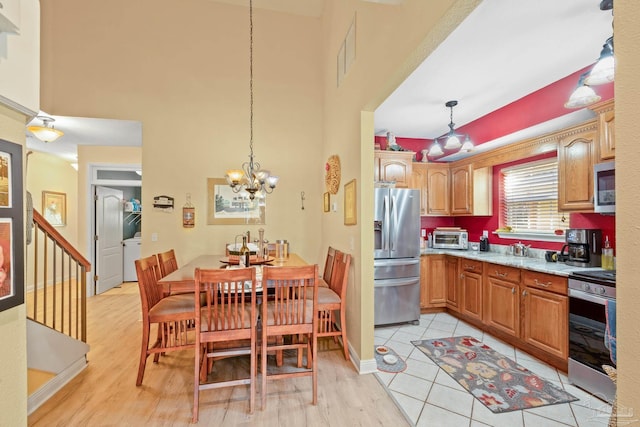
[429, 240]
[245, 253]
[607, 255]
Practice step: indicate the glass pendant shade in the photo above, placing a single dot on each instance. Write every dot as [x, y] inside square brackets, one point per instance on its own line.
[436, 150]
[468, 145]
[582, 96]
[604, 70]
[453, 142]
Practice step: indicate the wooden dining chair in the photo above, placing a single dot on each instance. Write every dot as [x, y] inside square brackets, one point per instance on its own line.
[328, 265]
[172, 314]
[225, 327]
[168, 262]
[290, 312]
[332, 302]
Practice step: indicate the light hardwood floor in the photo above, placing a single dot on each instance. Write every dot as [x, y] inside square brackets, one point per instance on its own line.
[104, 394]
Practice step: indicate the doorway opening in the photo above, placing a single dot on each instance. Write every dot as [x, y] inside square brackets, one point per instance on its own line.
[114, 190]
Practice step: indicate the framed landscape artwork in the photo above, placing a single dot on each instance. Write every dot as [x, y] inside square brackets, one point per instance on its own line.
[224, 207]
[11, 226]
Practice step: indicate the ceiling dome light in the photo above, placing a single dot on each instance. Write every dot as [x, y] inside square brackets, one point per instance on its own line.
[45, 133]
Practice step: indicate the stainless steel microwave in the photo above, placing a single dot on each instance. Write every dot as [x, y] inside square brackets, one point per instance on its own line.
[450, 239]
[604, 187]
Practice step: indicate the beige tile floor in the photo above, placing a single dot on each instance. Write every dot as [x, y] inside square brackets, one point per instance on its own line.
[429, 396]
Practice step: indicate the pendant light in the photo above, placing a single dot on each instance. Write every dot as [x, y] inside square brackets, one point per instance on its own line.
[251, 178]
[604, 70]
[451, 139]
[45, 133]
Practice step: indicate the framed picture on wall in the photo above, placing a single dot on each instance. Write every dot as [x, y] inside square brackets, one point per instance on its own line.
[11, 226]
[54, 207]
[224, 207]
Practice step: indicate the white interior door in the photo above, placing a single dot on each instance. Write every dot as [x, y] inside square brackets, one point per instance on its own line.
[109, 249]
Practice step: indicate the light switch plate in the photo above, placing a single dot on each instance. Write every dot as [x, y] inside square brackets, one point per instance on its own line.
[154, 237]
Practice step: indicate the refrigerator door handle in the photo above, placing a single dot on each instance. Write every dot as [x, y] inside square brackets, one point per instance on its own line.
[385, 224]
[393, 235]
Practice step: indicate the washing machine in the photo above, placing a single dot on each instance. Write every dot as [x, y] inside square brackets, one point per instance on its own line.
[130, 254]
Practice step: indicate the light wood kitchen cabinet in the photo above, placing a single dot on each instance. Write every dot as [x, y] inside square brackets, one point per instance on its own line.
[432, 281]
[461, 190]
[576, 157]
[606, 129]
[393, 166]
[482, 191]
[502, 302]
[419, 182]
[452, 283]
[546, 313]
[471, 289]
[438, 189]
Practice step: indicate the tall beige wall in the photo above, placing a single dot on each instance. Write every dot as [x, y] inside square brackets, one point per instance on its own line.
[184, 73]
[627, 87]
[13, 321]
[390, 42]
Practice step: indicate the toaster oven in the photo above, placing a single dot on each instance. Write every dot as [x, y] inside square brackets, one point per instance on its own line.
[450, 239]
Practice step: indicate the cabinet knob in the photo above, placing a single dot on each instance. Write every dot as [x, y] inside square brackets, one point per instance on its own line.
[501, 274]
[462, 275]
[524, 293]
[513, 290]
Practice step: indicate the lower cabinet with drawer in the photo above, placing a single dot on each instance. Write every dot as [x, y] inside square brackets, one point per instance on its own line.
[546, 313]
[471, 289]
[502, 303]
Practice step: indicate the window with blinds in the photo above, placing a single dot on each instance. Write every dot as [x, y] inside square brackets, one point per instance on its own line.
[529, 202]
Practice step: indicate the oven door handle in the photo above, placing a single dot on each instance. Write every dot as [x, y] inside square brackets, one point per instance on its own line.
[587, 297]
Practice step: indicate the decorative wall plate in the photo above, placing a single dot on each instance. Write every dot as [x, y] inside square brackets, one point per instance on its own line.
[332, 176]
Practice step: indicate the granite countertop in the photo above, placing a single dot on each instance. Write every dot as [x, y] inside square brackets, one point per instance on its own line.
[535, 262]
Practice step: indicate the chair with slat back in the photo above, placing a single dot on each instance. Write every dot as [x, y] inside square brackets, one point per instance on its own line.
[332, 302]
[328, 265]
[167, 261]
[225, 327]
[290, 312]
[173, 315]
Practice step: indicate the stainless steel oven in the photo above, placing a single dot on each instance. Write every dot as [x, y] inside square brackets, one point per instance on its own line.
[588, 293]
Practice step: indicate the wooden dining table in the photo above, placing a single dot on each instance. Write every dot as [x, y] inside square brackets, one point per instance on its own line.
[182, 280]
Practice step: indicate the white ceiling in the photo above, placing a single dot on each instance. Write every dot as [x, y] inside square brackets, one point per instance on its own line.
[503, 51]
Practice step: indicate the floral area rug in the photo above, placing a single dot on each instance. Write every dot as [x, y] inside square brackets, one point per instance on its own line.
[495, 380]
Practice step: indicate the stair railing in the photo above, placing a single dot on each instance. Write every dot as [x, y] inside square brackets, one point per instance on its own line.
[57, 295]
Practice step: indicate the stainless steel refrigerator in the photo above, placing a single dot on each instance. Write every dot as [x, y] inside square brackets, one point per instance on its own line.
[396, 230]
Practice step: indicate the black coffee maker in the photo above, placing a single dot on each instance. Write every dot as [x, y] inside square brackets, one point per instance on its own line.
[583, 248]
[484, 244]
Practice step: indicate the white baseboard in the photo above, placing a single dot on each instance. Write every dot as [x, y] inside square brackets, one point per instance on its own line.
[45, 392]
[362, 366]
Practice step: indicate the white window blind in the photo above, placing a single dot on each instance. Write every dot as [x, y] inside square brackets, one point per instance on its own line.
[530, 197]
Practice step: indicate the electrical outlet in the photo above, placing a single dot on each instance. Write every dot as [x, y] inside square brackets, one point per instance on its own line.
[154, 237]
[485, 233]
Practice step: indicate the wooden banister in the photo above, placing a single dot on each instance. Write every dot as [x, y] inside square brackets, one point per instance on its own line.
[57, 298]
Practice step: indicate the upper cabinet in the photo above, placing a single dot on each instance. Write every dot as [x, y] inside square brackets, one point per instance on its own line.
[461, 190]
[438, 189]
[606, 128]
[576, 157]
[453, 190]
[419, 182]
[394, 166]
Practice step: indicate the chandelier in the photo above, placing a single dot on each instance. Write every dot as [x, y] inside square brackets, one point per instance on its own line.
[45, 133]
[251, 178]
[451, 139]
